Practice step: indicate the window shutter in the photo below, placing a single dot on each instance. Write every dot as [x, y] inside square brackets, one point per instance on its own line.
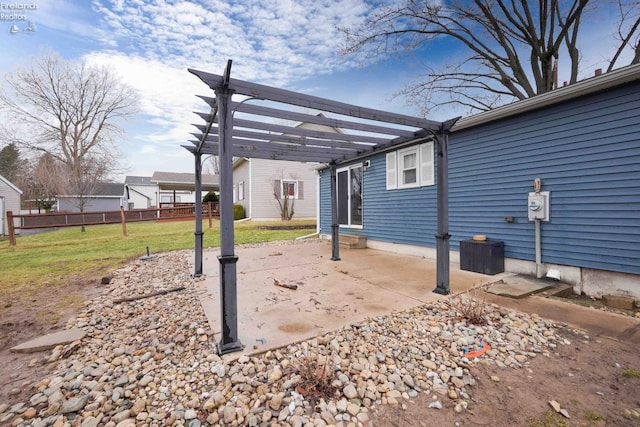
[300, 190]
[277, 187]
[392, 174]
[426, 164]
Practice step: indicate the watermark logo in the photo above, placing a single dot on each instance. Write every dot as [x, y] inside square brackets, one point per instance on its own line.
[18, 16]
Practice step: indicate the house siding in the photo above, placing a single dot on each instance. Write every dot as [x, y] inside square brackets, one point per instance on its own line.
[92, 204]
[151, 191]
[264, 172]
[586, 152]
[11, 202]
[415, 206]
[240, 174]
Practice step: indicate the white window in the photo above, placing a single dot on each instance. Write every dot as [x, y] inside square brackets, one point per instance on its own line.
[411, 167]
[241, 190]
[349, 194]
[289, 189]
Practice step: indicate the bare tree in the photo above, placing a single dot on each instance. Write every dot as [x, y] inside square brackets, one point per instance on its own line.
[69, 111]
[210, 165]
[84, 184]
[510, 48]
[284, 193]
[40, 180]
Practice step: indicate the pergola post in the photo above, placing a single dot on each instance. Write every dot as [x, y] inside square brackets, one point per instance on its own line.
[442, 235]
[229, 341]
[335, 239]
[198, 233]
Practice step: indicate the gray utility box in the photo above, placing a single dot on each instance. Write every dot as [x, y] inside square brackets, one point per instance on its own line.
[486, 257]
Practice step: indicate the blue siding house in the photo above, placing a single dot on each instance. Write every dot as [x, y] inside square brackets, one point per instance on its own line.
[582, 141]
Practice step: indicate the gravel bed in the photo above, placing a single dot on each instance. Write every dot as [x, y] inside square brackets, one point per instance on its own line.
[153, 362]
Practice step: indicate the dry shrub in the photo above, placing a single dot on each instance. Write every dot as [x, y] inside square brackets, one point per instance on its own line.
[472, 306]
[315, 379]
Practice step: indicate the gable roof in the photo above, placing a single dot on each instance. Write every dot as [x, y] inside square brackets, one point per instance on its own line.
[184, 181]
[10, 184]
[138, 180]
[102, 189]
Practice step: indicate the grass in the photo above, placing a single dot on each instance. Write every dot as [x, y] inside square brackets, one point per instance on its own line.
[548, 419]
[53, 258]
[631, 373]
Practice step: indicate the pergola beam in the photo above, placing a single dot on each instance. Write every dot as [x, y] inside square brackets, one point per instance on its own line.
[239, 151]
[282, 147]
[276, 113]
[311, 143]
[273, 132]
[259, 91]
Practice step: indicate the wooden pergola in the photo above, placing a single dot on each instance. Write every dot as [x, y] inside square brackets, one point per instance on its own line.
[254, 135]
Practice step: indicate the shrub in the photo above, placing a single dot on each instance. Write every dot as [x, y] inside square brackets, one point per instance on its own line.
[238, 212]
[210, 197]
[471, 306]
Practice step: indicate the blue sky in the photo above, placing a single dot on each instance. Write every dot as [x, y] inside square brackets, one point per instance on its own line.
[291, 44]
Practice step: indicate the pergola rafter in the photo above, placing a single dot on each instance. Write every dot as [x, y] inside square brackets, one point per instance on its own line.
[254, 134]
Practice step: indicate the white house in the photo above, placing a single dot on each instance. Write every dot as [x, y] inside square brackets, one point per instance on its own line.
[9, 201]
[178, 187]
[141, 192]
[259, 184]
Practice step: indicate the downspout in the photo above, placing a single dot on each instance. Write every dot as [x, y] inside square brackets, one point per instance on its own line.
[317, 202]
[335, 239]
[250, 188]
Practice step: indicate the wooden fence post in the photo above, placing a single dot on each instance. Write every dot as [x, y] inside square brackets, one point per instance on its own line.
[12, 231]
[124, 222]
[210, 208]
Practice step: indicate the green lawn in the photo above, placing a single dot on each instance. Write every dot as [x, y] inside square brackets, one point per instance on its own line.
[52, 258]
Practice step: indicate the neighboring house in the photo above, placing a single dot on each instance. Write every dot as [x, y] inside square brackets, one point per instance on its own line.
[107, 196]
[582, 141]
[176, 187]
[142, 192]
[255, 181]
[258, 183]
[9, 201]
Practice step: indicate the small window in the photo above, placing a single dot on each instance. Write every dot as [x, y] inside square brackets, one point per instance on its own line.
[411, 167]
[289, 189]
[409, 164]
[241, 190]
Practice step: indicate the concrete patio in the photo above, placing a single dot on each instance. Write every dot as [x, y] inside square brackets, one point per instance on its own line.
[330, 294]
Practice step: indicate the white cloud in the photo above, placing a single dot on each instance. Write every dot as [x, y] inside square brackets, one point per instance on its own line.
[271, 40]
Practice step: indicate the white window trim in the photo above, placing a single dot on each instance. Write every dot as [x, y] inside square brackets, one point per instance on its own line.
[424, 163]
[295, 188]
[241, 190]
[400, 168]
[348, 168]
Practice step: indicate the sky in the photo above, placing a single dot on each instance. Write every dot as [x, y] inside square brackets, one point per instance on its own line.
[292, 44]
